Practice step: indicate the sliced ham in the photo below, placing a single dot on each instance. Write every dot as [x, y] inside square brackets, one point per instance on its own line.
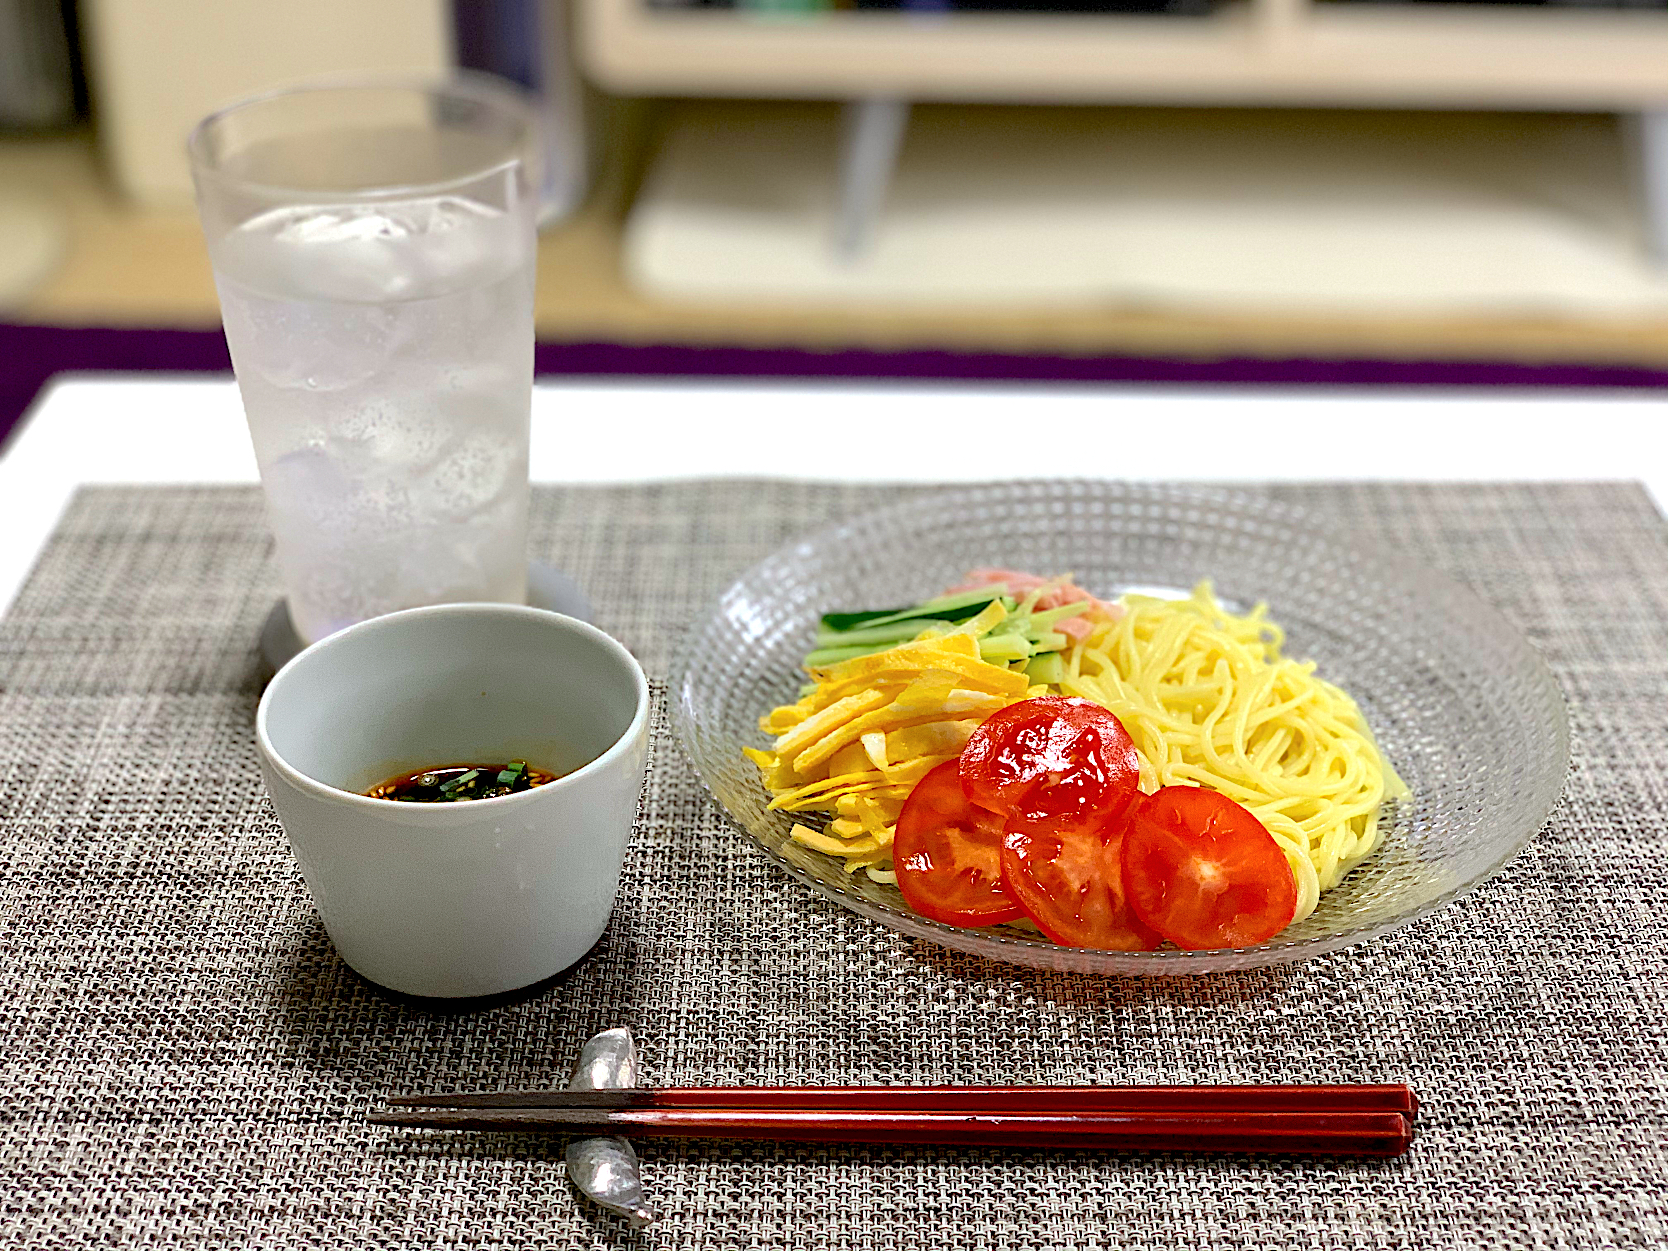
[1058, 594]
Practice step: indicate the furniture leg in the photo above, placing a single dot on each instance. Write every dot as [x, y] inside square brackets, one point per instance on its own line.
[1651, 138]
[872, 135]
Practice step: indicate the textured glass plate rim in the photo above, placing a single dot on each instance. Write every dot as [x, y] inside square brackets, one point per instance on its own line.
[1040, 953]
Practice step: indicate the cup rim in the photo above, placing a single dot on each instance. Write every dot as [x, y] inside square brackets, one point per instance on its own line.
[476, 85]
[440, 813]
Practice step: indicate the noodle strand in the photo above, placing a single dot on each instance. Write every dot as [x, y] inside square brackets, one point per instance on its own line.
[1208, 700]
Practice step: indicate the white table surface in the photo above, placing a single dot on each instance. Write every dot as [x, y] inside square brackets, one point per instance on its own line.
[121, 429]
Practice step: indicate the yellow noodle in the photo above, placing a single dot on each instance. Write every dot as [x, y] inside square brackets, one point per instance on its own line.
[1209, 701]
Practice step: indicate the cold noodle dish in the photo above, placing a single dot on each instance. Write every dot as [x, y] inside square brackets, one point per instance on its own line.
[1119, 774]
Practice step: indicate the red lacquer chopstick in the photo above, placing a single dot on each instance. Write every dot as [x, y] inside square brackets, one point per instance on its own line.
[1290, 1119]
[1316, 1098]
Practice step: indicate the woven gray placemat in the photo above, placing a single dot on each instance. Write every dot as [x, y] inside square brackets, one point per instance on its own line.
[186, 1061]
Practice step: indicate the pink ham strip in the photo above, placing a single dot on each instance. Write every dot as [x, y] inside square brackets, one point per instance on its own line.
[1021, 584]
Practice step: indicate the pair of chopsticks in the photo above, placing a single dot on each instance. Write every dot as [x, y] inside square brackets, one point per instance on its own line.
[1282, 1120]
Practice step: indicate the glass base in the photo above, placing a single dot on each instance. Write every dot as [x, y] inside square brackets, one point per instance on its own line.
[547, 588]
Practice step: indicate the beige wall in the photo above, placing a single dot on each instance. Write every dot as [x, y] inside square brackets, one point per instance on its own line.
[157, 66]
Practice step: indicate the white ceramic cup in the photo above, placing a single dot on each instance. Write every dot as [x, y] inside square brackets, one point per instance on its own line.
[480, 896]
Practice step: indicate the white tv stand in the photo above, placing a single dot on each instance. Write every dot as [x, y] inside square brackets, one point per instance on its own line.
[1308, 53]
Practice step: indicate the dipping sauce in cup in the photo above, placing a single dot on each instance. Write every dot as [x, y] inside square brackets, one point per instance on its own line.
[458, 899]
[450, 784]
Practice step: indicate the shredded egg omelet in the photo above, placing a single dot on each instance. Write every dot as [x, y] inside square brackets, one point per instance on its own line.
[869, 729]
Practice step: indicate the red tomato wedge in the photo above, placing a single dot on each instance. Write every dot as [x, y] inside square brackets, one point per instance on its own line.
[947, 852]
[1071, 885]
[1203, 872]
[1054, 763]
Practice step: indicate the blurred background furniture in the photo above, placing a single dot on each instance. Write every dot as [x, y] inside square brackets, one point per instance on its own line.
[159, 69]
[37, 89]
[95, 223]
[1583, 55]
[815, 224]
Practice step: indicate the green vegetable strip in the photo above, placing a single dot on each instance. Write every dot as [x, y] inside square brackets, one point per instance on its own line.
[889, 635]
[852, 620]
[834, 655]
[995, 648]
[1021, 637]
[1042, 640]
[953, 608]
[1049, 616]
[1000, 648]
[1048, 667]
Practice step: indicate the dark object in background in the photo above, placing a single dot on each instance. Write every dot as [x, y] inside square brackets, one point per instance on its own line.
[1525, 4]
[1189, 7]
[1042, 6]
[527, 42]
[501, 37]
[40, 65]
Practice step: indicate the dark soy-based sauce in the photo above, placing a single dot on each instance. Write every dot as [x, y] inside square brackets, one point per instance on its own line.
[446, 784]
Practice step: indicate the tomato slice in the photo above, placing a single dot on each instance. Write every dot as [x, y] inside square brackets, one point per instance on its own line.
[947, 852]
[1053, 762]
[1203, 872]
[1071, 884]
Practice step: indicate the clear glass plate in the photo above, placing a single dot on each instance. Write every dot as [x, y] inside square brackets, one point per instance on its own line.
[1463, 707]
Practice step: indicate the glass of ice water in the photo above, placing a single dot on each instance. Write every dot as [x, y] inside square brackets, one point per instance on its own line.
[373, 246]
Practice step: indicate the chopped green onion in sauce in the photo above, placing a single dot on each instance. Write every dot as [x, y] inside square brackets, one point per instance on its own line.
[446, 784]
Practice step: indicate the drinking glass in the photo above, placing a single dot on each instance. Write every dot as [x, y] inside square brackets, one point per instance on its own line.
[373, 245]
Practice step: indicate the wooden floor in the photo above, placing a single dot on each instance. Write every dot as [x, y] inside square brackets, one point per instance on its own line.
[124, 266]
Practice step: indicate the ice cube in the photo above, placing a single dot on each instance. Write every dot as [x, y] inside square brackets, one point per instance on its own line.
[347, 224]
[474, 474]
[306, 491]
[402, 435]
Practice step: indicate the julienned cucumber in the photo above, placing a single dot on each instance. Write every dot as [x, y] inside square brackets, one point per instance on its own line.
[1046, 667]
[888, 634]
[952, 608]
[1018, 637]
